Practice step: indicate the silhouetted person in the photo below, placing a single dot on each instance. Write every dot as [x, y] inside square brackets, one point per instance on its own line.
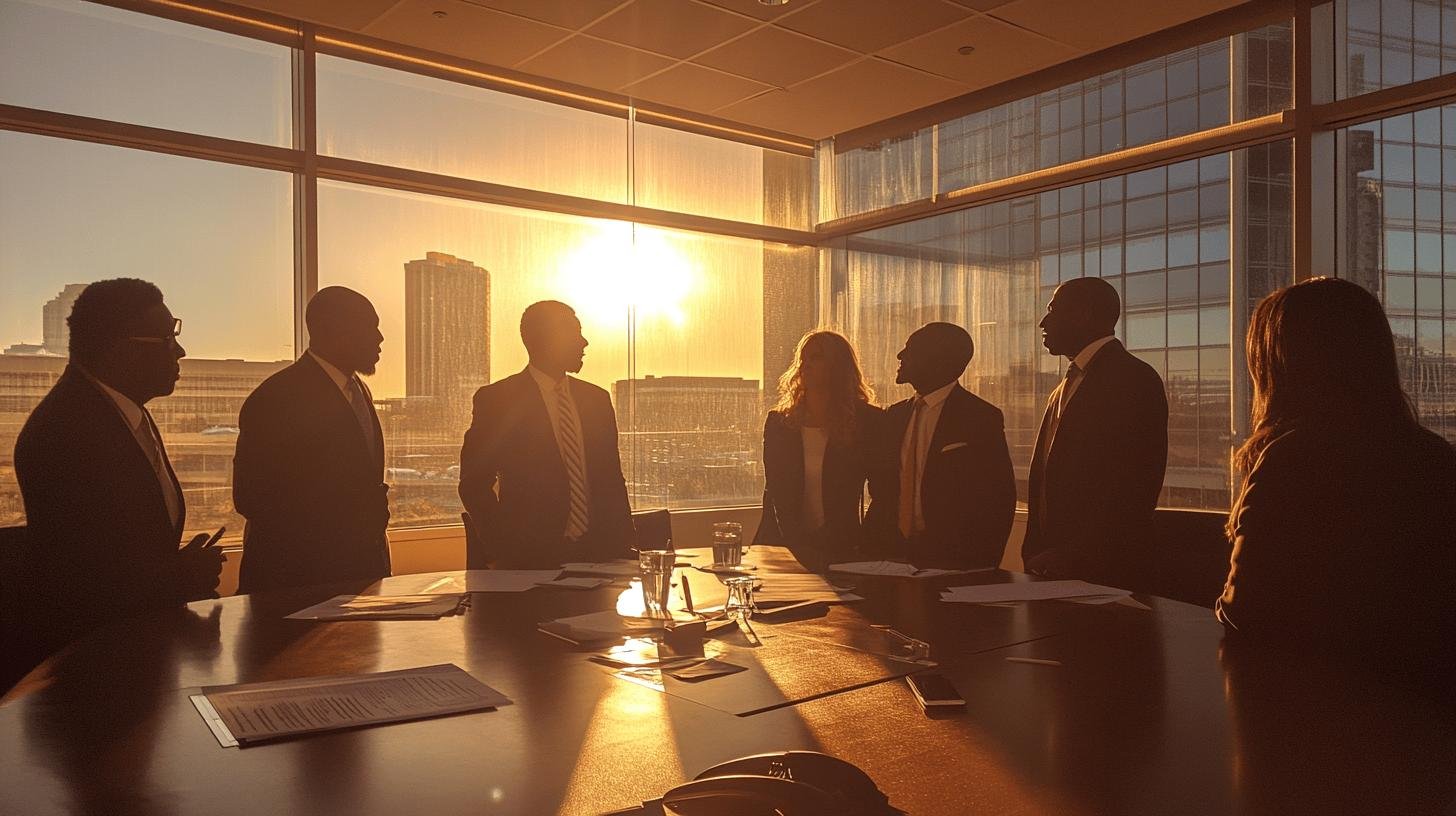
[104, 510]
[308, 472]
[818, 454]
[1344, 535]
[539, 472]
[951, 499]
[1098, 464]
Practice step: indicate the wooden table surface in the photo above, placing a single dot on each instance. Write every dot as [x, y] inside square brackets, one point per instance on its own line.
[1147, 713]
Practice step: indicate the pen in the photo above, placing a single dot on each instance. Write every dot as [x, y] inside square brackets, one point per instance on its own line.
[1034, 660]
[688, 594]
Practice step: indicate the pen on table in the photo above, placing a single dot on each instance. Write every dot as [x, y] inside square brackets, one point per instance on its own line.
[1038, 661]
[688, 594]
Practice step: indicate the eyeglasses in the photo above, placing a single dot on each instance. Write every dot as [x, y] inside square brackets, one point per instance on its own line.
[171, 338]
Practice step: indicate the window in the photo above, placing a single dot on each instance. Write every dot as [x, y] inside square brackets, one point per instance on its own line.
[217, 239]
[1384, 43]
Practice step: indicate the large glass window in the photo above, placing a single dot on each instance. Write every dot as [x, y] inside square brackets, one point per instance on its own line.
[1398, 239]
[1384, 43]
[81, 58]
[1164, 237]
[217, 239]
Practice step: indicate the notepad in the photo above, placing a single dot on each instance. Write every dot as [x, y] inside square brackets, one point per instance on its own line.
[383, 607]
[1031, 591]
[258, 712]
[481, 581]
[895, 568]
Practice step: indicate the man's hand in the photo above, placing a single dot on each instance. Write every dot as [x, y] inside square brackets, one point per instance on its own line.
[201, 565]
[1049, 564]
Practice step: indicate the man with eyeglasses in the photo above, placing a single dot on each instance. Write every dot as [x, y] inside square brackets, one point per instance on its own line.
[104, 510]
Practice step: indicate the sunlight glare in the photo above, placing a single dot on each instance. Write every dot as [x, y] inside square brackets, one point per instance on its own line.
[616, 271]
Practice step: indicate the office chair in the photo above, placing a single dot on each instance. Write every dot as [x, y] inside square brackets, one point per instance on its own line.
[653, 529]
[1190, 555]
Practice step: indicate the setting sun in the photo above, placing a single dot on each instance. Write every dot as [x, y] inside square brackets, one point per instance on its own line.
[621, 269]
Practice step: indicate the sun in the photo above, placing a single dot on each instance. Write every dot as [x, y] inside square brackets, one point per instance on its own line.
[620, 270]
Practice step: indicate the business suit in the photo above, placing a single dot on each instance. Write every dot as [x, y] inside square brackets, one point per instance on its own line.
[1344, 541]
[514, 482]
[967, 490]
[100, 542]
[847, 466]
[1101, 472]
[310, 484]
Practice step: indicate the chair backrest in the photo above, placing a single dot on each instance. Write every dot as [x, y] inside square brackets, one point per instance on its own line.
[653, 529]
[1190, 555]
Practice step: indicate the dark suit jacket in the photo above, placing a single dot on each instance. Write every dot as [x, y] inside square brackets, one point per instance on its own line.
[99, 543]
[1103, 472]
[309, 486]
[967, 492]
[848, 465]
[514, 485]
[1345, 541]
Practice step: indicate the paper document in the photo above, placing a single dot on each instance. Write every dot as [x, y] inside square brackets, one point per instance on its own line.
[588, 582]
[255, 712]
[1031, 591]
[789, 587]
[383, 607]
[891, 568]
[614, 569]
[482, 581]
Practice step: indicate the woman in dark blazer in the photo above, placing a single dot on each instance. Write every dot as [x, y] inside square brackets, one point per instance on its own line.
[816, 454]
[1344, 535]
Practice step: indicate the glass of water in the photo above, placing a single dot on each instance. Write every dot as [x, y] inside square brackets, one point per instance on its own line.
[656, 567]
[727, 544]
[739, 605]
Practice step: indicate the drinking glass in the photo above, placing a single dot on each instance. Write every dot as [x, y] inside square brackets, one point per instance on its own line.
[727, 544]
[739, 605]
[656, 567]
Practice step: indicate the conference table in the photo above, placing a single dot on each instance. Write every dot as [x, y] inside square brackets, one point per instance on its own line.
[1139, 709]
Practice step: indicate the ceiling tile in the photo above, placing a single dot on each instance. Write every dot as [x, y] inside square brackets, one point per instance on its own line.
[678, 28]
[692, 87]
[349, 14]
[594, 63]
[858, 94]
[569, 13]
[869, 25]
[1002, 52]
[1096, 24]
[467, 31]
[754, 8]
[778, 57]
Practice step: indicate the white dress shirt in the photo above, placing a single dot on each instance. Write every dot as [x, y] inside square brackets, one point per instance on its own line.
[339, 377]
[141, 430]
[549, 396]
[934, 402]
[816, 441]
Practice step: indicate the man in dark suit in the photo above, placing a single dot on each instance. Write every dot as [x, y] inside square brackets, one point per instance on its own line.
[104, 510]
[308, 472]
[540, 474]
[1101, 451]
[952, 503]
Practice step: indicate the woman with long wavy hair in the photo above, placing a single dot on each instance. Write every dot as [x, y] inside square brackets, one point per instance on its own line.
[1344, 534]
[816, 453]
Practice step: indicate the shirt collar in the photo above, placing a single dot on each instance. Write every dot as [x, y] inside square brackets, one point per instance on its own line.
[130, 411]
[339, 377]
[939, 395]
[544, 380]
[1084, 357]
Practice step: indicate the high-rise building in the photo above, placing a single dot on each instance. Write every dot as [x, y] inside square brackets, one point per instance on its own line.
[447, 335]
[56, 334]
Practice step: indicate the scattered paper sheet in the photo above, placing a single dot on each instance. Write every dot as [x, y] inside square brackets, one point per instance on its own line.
[891, 568]
[615, 569]
[1031, 591]
[256, 712]
[577, 583]
[383, 607]
[484, 581]
[790, 587]
[704, 670]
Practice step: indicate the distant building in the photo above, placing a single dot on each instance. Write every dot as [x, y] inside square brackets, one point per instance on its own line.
[447, 335]
[56, 334]
[25, 350]
[690, 441]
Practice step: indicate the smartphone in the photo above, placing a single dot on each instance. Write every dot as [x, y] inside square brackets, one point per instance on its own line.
[931, 689]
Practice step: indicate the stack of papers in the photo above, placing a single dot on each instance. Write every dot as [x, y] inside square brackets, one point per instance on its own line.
[892, 568]
[384, 607]
[612, 569]
[1077, 591]
[792, 587]
[254, 712]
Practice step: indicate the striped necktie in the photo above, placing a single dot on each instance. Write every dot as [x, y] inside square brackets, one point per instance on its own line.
[571, 454]
[910, 470]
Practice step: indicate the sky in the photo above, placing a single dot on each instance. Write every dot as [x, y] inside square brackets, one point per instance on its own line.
[218, 239]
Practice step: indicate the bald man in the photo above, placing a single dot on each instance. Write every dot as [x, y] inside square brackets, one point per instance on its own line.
[955, 496]
[1098, 464]
[308, 473]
